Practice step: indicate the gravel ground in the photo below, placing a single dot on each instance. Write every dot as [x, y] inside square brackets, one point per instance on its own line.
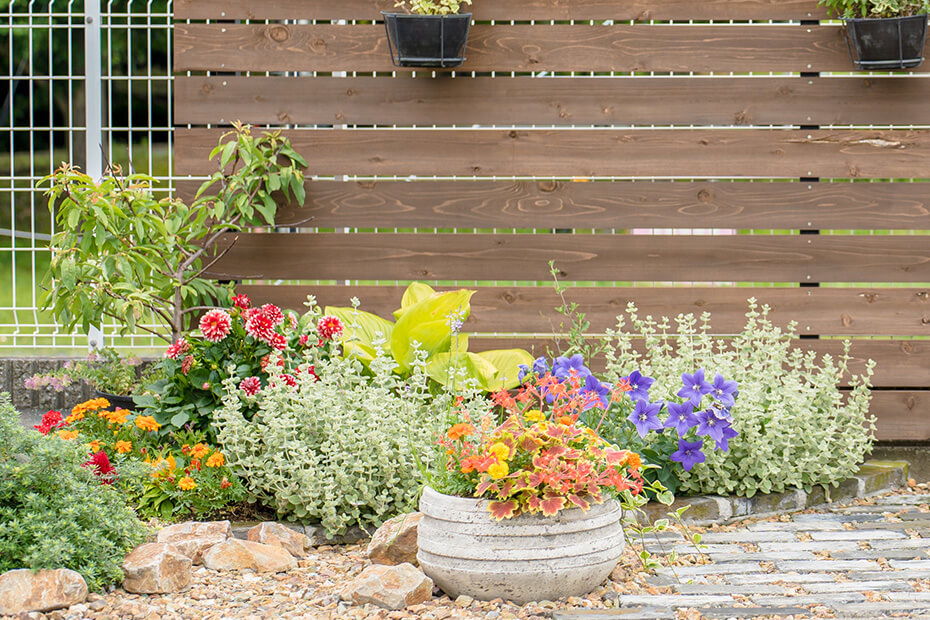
[864, 559]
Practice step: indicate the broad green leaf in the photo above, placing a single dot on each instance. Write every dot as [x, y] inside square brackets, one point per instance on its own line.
[507, 362]
[180, 419]
[460, 367]
[360, 326]
[415, 293]
[426, 323]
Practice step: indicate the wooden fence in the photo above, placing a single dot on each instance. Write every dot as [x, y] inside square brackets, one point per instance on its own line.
[726, 119]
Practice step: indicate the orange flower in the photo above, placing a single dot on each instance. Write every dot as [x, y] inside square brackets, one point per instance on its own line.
[460, 430]
[91, 405]
[216, 460]
[74, 417]
[186, 483]
[633, 461]
[115, 417]
[199, 451]
[122, 447]
[567, 420]
[67, 435]
[147, 423]
[94, 446]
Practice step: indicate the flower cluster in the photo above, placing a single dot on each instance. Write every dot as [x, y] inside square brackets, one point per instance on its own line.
[541, 459]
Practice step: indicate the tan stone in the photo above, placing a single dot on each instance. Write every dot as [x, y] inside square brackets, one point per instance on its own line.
[235, 554]
[395, 542]
[192, 538]
[391, 587]
[271, 533]
[22, 590]
[156, 568]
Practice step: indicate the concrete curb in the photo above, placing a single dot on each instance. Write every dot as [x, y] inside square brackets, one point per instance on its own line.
[872, 477]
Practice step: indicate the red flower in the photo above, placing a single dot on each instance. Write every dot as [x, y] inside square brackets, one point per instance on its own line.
[178, 349]
[328, 327]
[225, 483]
[100, 463]
[274, 313]
[50, 420]
[250, 385]
[289, 379]
[187, 363]
[260, 325]
[215, 325]
[242, 301]
[279, 342]
[303, 340]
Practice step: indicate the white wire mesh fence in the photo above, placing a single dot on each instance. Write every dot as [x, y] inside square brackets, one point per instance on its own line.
[64, 61]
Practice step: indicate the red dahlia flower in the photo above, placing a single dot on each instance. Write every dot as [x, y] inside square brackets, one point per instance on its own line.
[242, 301]
[250, 385]
[329, 327]
[178, 349]
[260, 325]
[215, 325]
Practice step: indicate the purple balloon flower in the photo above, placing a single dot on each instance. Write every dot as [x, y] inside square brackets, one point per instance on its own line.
[728, 434]
[695, 387]
[681, 417]
[688, 453]
[710, 425]
[592, 385]
[724, 391]
[540, 367]
[563, 366]
[639, 386]
[645, 417]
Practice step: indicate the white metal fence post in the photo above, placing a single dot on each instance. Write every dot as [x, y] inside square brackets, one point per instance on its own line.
[93, 123]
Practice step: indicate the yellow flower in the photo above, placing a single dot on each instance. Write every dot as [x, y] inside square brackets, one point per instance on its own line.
[74, 417]
[500, 450]
[147, 423]
[534, 415]
[199, 451]
[122, 447]
[94, 446]
[216, 460]
[498, 470]
[186, 483]
[67, 435]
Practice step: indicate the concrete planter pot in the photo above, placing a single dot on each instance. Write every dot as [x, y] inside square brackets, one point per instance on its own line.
[527, 558]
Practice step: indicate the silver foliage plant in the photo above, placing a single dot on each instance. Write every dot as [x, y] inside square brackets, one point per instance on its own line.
[796, 428]
[340, 451]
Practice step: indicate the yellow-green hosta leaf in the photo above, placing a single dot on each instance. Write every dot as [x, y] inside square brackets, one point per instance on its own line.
[460, 367]
[361, 327]
[506, 362]
[415, 293]
[427, 323]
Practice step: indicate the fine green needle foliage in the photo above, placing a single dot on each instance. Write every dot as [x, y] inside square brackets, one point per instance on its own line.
[123, 253]
[796, 428]
[876, 8]
[54, 513]
[340, 451]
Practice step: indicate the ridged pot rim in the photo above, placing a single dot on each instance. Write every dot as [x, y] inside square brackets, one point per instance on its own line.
[432, 498]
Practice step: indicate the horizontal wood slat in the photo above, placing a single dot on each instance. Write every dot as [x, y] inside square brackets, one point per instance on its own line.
[509, 10]
[901, 415]
[818, 311]
[665, 258]
[558, 101]
[607, 205]
[523, 48]
[594, 153]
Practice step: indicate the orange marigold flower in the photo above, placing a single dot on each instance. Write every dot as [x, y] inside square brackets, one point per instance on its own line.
[186, 483]
[460, 430]
[147, 423]
[115, 417]
[68, 435]
[74, 417]
[199, 451]
[94, 446]
[633, 461]
[498, 470]
[567, 420]
[216, 460]
[122, 447]
[91, 405]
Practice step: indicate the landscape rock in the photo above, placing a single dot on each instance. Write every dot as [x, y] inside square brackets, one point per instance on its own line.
[23, 591]
[192, 538]
[352, 535]
[271, 533]
[235, 554]
[391, 587]
[156, 568]
[395, 542]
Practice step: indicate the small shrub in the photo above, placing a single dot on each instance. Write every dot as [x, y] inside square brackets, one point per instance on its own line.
[55, 512]
[796, 428]
[340, 450]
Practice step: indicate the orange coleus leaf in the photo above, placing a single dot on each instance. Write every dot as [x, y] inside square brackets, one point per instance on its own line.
[507, 489]
[485, 486]
[579, 501]
[533, 503]
[551, 505]
[528, 444]
[553, 451]
[502, 510]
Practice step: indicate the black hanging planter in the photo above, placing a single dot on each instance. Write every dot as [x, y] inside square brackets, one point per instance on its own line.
[427, 40]
[886, 42]
[117, 400]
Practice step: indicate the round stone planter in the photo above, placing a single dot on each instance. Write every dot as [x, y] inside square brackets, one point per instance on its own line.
[527, 558]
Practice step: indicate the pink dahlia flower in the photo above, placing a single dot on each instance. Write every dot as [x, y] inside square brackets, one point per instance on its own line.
[250, 385]
[329, 327]
[215, 325]
[177, 349]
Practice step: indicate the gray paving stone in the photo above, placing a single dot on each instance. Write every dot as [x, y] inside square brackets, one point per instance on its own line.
[857, 586]
[910, 564]
[774, 578]
[723, 588]
[826, 545]
[793, 526]
[762, 556]
[857, 535]
[712, 569]
[828, 566]
[819, 517]
[907, 543]
[708, 549]
[750, 612]
[747, 537]
[813, 599]
[874, 554]
[883, 609]
[674, 600]
[904, 500]
[631, 613]
[892, 574]
[907, 596]
[914, 515]
[896, 525]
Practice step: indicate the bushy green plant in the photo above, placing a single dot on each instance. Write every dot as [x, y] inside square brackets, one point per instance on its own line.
[340, 450]
[54, 512]
[796, 428]
[105, 370]
[432, 7]
[876, 8]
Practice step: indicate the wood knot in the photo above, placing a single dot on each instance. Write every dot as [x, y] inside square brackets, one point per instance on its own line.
[704, 196]
[367, 184]
[279, 33]
[910, 402]
[924, 320]
[703, 141]
[512, 134]
[547, 186]
[846, 320]
[510, 298]
[869, 297]
[923, 295]
[907, 347]
[349, 92]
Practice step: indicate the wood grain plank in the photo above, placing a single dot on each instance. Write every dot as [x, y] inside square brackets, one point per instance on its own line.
[524, 101]
[521, 48]
[902, 415]
[509, 10]
[607, 205]
[644, 258]
[817, 311]
[585, 153]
